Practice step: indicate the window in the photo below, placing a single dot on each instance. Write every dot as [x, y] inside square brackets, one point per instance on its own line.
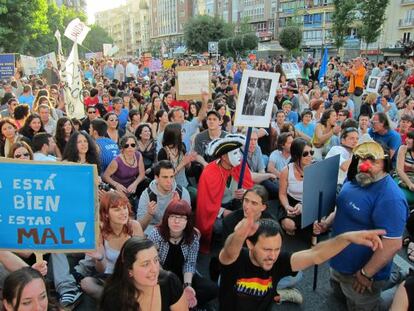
[406, 37]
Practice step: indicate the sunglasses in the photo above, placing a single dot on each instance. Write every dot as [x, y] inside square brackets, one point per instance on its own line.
[307, 153]
[113, 120]
[18, 156]
[133, 145]
[90, 112]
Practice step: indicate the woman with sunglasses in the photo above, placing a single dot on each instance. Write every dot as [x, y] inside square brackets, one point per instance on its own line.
[114, 132]
[127, 171]
[21, 151]
[291, 185]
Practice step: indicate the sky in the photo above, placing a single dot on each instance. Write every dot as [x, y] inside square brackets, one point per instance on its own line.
[94, 6]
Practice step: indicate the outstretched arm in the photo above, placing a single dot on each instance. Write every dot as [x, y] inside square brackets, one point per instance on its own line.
[328, 249]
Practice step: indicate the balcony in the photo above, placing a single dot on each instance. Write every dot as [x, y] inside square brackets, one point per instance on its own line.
[406, 23]
[407, 2]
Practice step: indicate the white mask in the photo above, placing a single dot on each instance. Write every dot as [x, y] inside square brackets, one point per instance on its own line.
[235, 157]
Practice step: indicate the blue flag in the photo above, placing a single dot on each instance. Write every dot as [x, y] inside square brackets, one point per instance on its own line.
[324, 67]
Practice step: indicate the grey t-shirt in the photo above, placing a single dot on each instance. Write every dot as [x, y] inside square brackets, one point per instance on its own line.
[201, 142]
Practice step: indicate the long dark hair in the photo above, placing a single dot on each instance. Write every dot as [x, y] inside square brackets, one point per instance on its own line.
[325, 116]
[27, 131]
[15, 283]
[71, 152]
[2, 123]
[120, 291]
[60, 132]
[178, 207]
[140, 128]
[296, 149]
[172, 136]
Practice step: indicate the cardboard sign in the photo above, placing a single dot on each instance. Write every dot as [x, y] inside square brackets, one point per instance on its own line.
[319, 197]
[155, 65]
[6, 66]
[291, 71]
[106, 47]
[35, 65]
[256, 96]
[48, 207]
[373, 84]
[191, 81]
[213, 47]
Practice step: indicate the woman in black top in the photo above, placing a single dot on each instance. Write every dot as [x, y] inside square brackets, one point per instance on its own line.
[32, 126]
[147, 147]
[64, 129]
[138, 283]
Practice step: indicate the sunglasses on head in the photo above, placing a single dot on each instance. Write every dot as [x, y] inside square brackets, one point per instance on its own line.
[18, 156]
[307, 153]
[133, 145]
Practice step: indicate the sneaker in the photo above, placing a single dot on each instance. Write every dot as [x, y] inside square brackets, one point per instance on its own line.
[290, 295]
[70, 298]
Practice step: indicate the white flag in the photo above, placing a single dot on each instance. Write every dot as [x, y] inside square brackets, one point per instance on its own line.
[77, 31]
[73, 87]
[58, 36]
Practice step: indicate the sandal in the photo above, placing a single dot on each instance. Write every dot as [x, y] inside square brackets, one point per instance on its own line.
[410, 251]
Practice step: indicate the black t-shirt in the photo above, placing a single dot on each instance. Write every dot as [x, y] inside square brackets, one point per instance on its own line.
[171, 289]
[175, 260]
[245, 286]
[409, 288]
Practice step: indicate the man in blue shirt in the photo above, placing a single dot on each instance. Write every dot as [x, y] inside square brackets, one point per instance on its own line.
[370, 199]
[382, 133]
[238, 76]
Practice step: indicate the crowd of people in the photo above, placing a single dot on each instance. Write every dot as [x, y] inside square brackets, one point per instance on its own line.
[171, 186]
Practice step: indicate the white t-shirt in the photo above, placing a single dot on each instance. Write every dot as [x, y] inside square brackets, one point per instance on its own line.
[344, 155]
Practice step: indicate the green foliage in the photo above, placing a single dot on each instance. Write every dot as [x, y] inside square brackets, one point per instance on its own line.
[238, 44]
[372, 18]
[250, 41]
[200, 30]
[245, 27]
[222, 45]
[290, 38]
[95, 39]
[342, 18]
[21, 22]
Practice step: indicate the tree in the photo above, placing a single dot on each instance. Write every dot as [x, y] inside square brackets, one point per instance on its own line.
[95, 39]
[372, 18]
[290, 38]
[342, 18]
[222, 45]
[198, 31]
[250, 41]
[245, 27]
[21, 22]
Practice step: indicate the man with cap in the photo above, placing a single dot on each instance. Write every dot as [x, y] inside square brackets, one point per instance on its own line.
[368, 199]
[218, 185]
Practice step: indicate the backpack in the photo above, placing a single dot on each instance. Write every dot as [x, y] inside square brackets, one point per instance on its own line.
[153, 197]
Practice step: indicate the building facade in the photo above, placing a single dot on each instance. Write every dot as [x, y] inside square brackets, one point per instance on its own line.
[128, 26]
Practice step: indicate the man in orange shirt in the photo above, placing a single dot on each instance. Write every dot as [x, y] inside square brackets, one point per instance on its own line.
[356, 75]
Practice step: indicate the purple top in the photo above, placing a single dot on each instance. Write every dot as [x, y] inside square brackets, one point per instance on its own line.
[126, 175]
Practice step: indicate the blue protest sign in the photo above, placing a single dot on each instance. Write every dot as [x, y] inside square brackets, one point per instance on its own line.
[319, 190]
[6, 66]
[47, 207]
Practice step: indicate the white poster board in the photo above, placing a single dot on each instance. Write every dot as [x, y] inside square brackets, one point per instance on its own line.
[256, 97]
[291, 71]
[373, 84]
[35, 65]
[191, 80]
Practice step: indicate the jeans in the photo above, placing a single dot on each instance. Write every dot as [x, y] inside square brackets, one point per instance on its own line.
[290, 281]
[64, 281]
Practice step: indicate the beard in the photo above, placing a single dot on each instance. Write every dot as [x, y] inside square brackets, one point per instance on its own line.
[364, 179]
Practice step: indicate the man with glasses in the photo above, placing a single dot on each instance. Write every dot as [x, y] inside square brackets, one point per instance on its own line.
[91, 115]
[382, 133]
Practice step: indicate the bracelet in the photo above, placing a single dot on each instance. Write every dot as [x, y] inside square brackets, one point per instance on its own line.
[365, 275]
[100, 259]
[187, 284]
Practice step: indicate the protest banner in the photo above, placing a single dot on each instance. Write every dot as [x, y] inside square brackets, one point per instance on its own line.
[7, 66]
[256, 95]
[35, 65]
[167, 63]
[155, 65]
[76, 31]
[373, 84]
[191, 81]
[113, 50]
[106, 47]
[291, 71]
[48, 207]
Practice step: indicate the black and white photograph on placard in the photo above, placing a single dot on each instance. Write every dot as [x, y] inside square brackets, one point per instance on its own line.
[257, 94]
[373, 84]
[255, 101]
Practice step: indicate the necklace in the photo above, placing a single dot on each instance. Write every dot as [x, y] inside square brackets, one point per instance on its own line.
[299, 170]
[175, 240]
[129, 163]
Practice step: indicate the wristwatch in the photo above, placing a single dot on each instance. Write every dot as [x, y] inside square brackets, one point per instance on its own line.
[365, 275]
